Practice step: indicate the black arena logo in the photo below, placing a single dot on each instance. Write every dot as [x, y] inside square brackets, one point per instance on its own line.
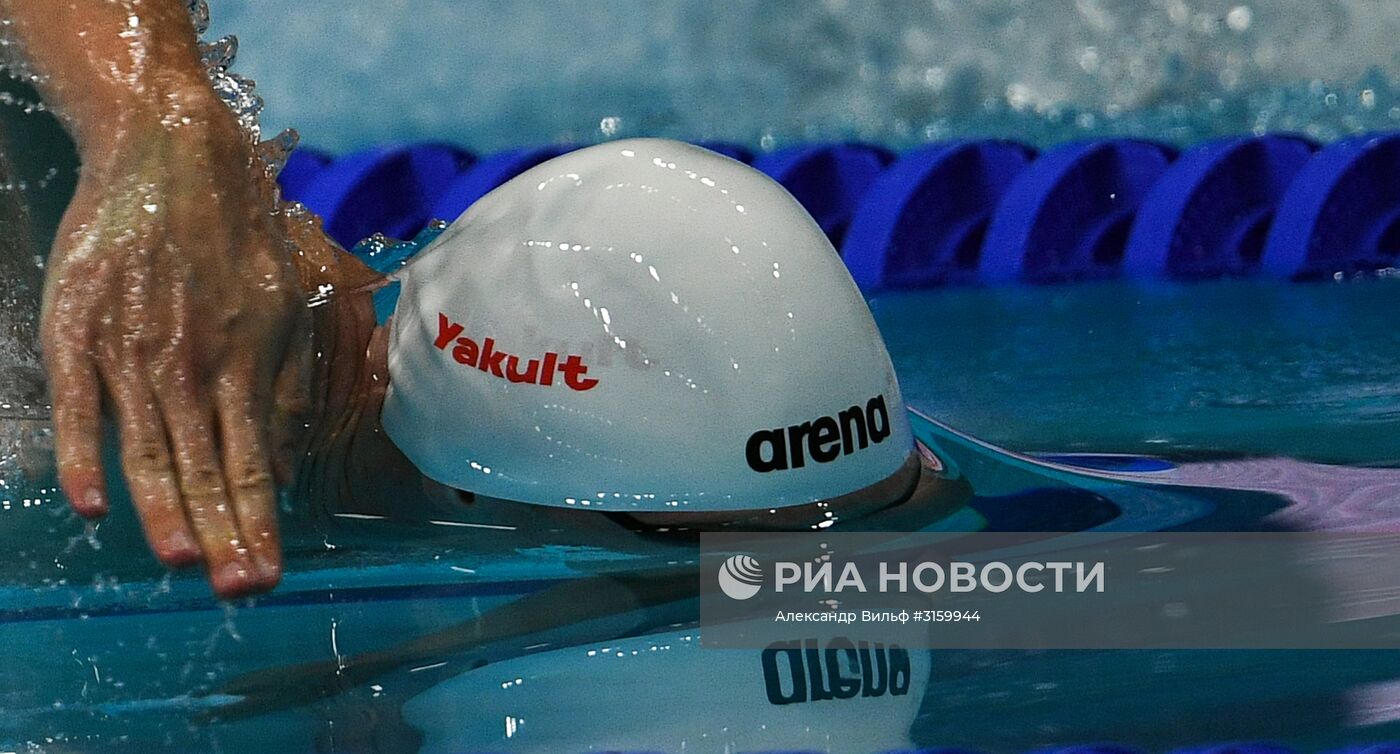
[823, 439]
[795, 672]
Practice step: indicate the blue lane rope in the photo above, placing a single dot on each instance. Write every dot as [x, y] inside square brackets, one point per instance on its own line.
[390, 191]
[486, 174]
[922, 221]
[1066, 217]
[1207, 215]
[829, 179]
[1341, 213]
[981, 212]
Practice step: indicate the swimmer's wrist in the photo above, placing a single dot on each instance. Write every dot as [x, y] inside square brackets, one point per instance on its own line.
[112, 70]
[182, 104]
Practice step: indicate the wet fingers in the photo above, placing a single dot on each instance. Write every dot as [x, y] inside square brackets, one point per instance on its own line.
[77, 419]
[151, 475]
[248, 469]
[189, 425]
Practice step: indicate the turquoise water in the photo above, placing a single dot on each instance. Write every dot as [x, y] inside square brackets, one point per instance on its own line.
[113, 654]
[1252, 368]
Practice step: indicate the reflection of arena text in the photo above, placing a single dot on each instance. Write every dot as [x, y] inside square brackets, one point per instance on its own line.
[796, 672]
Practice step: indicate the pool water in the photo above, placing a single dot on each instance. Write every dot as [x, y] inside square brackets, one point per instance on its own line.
[109, 652]
[1217, 370]
[1231, 367]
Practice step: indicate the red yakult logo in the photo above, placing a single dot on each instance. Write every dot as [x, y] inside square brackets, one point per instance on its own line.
[507, 366]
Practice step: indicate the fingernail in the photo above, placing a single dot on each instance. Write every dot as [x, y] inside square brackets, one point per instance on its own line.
[231, 579]
[180, 549]
[269, 571]
[93, 500]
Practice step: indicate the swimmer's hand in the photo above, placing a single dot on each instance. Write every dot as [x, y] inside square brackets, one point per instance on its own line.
[171, 287]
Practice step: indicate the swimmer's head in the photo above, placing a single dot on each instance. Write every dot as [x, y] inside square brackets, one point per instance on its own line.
[642, 325]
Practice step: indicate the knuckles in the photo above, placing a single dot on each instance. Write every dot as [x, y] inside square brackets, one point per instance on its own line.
[251, 478]
[146, 456]
[203, 482]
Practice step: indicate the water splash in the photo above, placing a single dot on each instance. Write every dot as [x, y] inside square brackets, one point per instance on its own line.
[275, 151]
[27, 106]
[219, 54]
[199, 15]
[388, 257]
[12, 61]
[238, 92]
[88, 537]
[225, 628]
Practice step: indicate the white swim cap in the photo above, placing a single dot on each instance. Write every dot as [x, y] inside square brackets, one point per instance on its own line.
[642, 325]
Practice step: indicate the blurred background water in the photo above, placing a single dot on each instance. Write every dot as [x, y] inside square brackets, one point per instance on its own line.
[496, 73]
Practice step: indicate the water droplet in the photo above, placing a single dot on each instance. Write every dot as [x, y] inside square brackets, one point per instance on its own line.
[237, 92]
[199, 15]
[1239, 18]
[276, 150]
[219, 54]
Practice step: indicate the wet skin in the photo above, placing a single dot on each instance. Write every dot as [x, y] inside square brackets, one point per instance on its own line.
[171, 289]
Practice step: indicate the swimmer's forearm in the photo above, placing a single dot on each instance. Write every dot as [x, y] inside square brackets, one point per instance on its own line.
[115, 69]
